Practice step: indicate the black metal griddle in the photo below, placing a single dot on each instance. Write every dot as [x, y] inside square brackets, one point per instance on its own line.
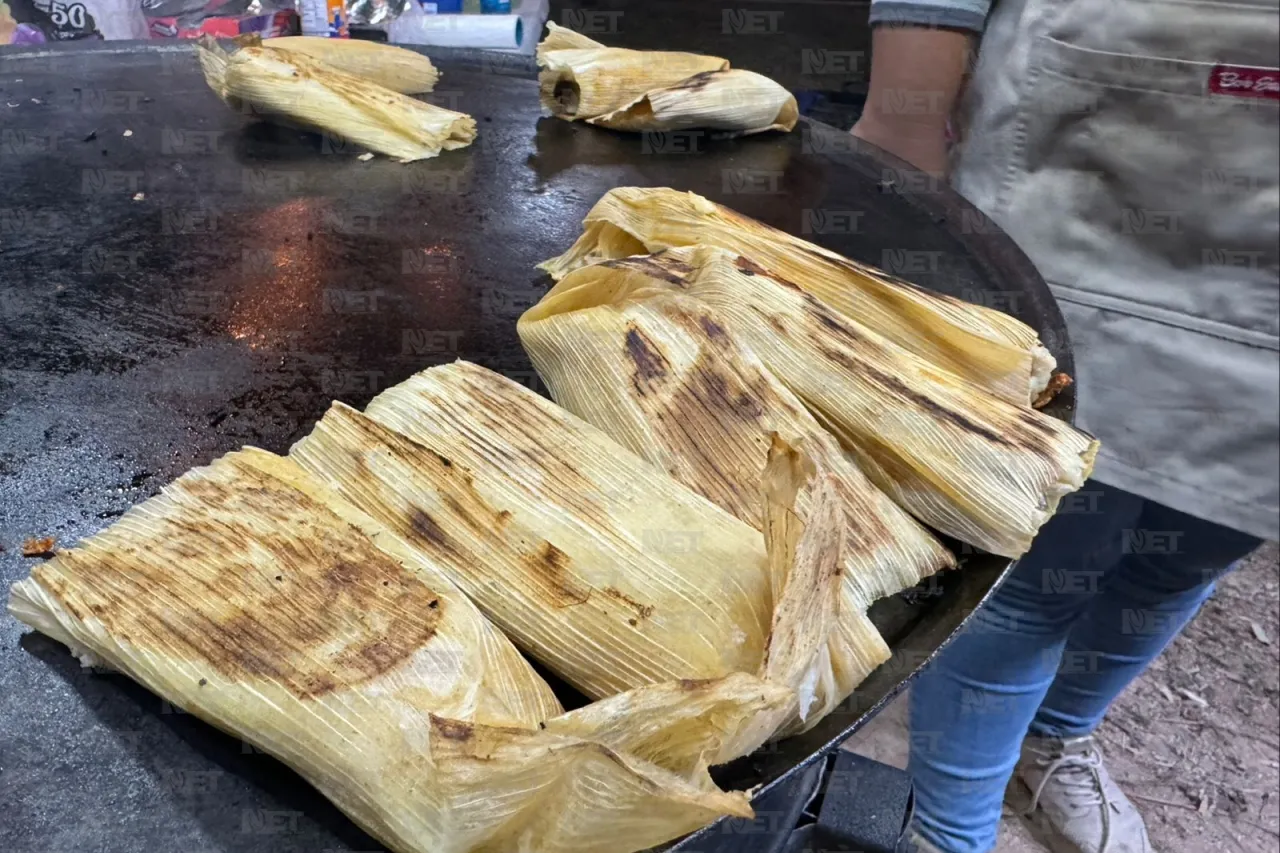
[205, 283]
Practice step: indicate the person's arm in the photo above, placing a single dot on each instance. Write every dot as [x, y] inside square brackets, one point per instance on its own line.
[919, 56]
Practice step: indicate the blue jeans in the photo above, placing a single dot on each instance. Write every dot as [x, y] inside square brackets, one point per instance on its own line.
[1110, 581]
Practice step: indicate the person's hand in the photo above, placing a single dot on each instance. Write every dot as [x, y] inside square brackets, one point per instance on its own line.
[922, 147]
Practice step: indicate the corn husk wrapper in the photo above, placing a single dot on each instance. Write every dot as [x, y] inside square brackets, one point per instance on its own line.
[959, 459]
[735, 101]
[260, 601]
[303, 91]
[639, 91]
[581, 78]
[984, 346]
[395, 68]
[590, 559]
[660, 373]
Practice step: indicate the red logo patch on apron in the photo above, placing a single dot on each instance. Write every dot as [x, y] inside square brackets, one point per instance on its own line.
[1243, 81]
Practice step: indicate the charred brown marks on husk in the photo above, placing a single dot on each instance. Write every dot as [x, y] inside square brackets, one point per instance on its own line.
[241, 617]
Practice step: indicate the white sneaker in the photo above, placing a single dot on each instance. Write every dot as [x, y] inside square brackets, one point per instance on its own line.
[919, 845]
[1071, 804]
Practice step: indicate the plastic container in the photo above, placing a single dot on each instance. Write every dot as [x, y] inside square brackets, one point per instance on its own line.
[323, 18]
[500, 32]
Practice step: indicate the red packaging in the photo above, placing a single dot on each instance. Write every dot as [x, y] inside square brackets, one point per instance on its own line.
[283, 23]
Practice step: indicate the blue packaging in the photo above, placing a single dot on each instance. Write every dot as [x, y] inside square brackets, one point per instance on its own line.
[495, 7]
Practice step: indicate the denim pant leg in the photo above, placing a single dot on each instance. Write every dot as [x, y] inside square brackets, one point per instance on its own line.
[970, 710]
[1169, 565]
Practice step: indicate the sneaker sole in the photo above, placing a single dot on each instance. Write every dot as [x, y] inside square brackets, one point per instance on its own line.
[1018, 797]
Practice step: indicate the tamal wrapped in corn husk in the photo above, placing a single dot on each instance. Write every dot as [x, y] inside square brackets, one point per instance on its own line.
[958, 458]
[304, 91]
[735, 101]
[581, 78]
[593, 561]
[394, 68]
[986, 347]
[662, 375]
[260, 601]
[639, 91]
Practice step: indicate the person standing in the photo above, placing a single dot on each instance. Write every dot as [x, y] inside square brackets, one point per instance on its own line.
[1132, 149]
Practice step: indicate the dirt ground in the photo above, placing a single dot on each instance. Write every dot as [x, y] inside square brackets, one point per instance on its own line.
[1194, 742]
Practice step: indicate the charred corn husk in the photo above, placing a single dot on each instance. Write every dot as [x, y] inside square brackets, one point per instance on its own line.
[663, 376]
[986, 347]
[635, 90]
[255, 598]
[961, 460]
[591, 560]
[302, 90]
[396, 68]
[734, 100]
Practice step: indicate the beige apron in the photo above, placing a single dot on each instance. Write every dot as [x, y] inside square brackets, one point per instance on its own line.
[1132, 148]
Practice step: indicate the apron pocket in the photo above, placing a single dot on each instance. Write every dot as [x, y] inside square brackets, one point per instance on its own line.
[1142, 180]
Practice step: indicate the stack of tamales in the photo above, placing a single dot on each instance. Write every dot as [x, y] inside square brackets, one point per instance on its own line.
[672, 313]
[752, 441]
[320, 606]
